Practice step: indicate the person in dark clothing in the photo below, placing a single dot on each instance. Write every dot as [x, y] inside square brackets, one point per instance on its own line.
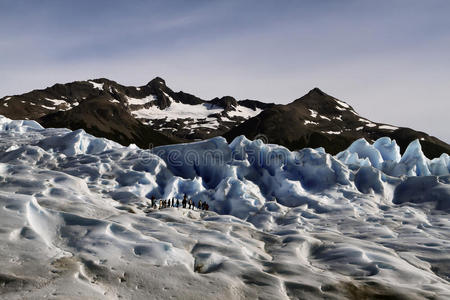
[199, 204]
[178, 203]
[184, 201]
[153, 201]
[193, 205]
[206, 206]
[190, 203]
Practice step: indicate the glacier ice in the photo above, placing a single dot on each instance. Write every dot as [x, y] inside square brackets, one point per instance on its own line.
[74, 212]
[389, 150]
[236, 178]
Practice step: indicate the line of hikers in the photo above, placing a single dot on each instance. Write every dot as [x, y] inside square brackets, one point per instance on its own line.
[185, 203]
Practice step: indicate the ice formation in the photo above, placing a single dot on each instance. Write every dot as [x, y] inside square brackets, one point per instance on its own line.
[75, 220]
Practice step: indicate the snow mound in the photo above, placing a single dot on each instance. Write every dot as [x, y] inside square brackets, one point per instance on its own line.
[77, 142]
[19, 126]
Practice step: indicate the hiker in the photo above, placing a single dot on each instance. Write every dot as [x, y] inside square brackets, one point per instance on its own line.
[160, 203]
[193, 205]
[206, 206]
[190, 203]
[184, 201]
[178, 203]
[203, 205]
[153, 201]
[173, 202]
[200, 204]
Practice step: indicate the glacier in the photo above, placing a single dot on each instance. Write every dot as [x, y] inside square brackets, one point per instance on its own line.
[76, 220]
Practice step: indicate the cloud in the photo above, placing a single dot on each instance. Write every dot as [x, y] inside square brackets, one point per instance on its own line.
[387, 59]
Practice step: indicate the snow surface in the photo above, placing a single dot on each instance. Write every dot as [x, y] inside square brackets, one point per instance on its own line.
[75, 220]
[244, 112]
[177, 110]
[310, 122]
[48, 107]
[141, 101]
[388, 127]
[369, 123]
[96, 85]
[197, 113]
[333, 132]
[56, 101]
[342, 103]
[313, 113]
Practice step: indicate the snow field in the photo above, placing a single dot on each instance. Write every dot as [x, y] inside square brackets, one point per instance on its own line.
[76, 221]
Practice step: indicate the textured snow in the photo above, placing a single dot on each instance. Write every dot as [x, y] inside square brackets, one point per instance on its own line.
[75, 220]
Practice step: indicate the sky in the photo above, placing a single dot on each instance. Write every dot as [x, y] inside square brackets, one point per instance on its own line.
[390, 60]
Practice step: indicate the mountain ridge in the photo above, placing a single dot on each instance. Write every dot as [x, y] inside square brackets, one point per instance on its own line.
[154, 114]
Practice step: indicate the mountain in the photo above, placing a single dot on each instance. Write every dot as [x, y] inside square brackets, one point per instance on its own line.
[149, 114]
[320, 120]
[154, 114]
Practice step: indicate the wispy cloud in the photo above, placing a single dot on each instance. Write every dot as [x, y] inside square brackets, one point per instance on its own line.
[389, 59]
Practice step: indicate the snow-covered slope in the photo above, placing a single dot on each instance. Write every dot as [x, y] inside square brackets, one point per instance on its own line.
[76, 222]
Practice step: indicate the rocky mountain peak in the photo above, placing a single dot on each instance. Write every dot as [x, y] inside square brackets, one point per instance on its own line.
[227, 102]
[157, 82]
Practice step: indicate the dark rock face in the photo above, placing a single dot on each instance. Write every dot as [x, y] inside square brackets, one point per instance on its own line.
[154, 114]
[227, 103]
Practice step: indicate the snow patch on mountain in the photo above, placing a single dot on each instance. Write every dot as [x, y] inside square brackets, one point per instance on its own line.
[141, 101]
[342, 103]
[177, 110]
[388, 127]
[96, 85]
[244, 112]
